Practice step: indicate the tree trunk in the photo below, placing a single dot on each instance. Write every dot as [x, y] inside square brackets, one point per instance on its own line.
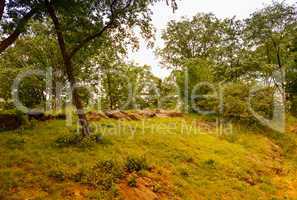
[85, 130]
[2, 6]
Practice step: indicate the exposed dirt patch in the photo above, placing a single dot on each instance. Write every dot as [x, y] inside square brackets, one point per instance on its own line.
[75, 192]
[292, 129]
[153, 186]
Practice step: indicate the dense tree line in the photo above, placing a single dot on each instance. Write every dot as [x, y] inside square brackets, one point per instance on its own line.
[238, 54]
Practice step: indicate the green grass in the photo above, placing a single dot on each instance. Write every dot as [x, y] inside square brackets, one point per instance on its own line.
[179, 161]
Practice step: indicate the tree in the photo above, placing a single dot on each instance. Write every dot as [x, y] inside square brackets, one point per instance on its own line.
[186, 39]
[36, 50]
[268, 35]
[14, 21]
[97, 17]
[79, 27]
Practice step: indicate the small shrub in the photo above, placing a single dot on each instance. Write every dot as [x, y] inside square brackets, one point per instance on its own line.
[136, 164]
[184, 173]
[78, 141]
[68, 140]
[114, 190]
[104, 174]
[57, 174]
[132, 182]
[81, 176]
[87, 141]
[210, 163]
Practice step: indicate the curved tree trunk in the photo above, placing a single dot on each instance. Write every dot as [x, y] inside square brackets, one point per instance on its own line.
[85, 130]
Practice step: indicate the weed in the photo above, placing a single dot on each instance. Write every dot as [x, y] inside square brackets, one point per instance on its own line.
[104, 174]
[210, 163]
[136, 164]
[132, 182]
[57, 175]
[184, 172]
[77, 141]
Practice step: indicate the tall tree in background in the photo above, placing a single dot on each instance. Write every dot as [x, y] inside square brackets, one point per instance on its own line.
[187, 39]
[36, 50]
[268, 34]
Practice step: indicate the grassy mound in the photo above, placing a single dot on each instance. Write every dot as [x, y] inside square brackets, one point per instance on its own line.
[163, 158]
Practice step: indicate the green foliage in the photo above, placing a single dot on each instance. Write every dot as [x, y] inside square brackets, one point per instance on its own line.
[104, 174]
[132, 182]
[184, 172]
[76, 140]
[237, 105]
[136, 164]
[227, 51]
[237, 102]
[211, 164]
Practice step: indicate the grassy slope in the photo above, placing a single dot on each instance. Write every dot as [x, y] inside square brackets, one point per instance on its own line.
[185, 163]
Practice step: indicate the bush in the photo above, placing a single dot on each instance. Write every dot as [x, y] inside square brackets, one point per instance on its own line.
[132, 182]
[9, 120]
[184, 172]
[211, 164]
[68, 140]
[236, 103]
[57, 174]
[135, 164]
[78, 141]
[104, 174]
[14, 119]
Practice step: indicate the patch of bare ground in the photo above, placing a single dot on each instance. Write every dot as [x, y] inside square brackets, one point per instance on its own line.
[75, 192]
[154, 185]
[292, 129]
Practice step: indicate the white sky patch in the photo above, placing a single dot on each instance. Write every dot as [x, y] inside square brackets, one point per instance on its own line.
[188, 8]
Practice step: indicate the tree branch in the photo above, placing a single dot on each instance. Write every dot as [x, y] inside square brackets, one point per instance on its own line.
[18, 30]
[88, 39]
[58, 29]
